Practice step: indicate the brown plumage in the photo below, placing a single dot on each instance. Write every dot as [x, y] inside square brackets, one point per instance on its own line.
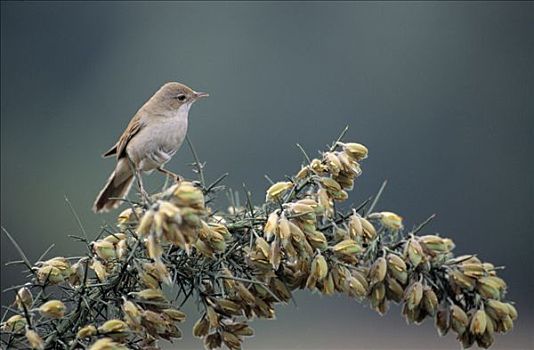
[151, 138]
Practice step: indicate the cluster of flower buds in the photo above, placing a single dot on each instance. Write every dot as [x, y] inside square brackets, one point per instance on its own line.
[486, 314]
[175, 218]
[108, 252]
[212, 238]
[240, 270]
[53, 271]
[111, 248]
[345, 259]
[129, 218]
[147, 315]
[290, 234]
[17, 325]
[219, 325]
[216, 331]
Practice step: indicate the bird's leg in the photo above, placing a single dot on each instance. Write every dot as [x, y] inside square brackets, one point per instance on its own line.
[139, 181]
[140, 185]
[176, 177]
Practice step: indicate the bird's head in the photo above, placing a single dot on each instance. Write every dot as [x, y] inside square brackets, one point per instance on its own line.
[175, 95]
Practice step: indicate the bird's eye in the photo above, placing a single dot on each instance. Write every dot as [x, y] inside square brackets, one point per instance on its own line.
[181, 98]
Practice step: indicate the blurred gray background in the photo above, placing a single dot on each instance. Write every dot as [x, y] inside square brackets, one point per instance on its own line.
[441, 93]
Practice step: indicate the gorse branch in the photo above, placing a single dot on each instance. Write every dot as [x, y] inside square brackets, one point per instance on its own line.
[237, 265]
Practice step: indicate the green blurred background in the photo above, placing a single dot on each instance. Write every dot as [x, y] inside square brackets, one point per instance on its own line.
[441, 93]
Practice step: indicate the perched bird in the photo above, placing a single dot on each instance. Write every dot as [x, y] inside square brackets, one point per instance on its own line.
[154, 134]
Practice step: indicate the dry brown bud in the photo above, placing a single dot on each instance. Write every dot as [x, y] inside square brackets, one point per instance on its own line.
[24, 298]
[378, 270]
[201, 327]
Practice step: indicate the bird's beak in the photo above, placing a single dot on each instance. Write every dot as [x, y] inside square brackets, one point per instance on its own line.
[201, 94]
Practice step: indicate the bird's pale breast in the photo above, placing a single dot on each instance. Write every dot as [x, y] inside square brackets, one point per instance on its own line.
[157, 142]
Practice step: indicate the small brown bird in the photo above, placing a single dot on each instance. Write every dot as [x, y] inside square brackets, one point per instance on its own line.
[152, 137]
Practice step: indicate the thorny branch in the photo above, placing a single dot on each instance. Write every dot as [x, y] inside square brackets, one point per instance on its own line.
[238, 264]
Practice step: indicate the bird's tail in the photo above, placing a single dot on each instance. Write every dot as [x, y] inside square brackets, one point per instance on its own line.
[115, 188]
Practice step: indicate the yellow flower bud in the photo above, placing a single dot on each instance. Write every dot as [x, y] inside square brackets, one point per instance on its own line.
[283, 228]
[187, 195]
[391, 221]
[49, 274]
[437, 244]
[512, 312]
[355, 225]
[59, 262]
[213, 317]
[128, 217]
[316, 239]
[99, 269]
[271, 226]
[397, 267]
[275, 254]
[319, 267]
[132, 314]
[394, 289]
[378, 270]
[201, 327]
[76, 276]
[317, 166]
[231, 340]
[14, 324]
[105, 250]
[356, 288]
[86, 332]
[413, 295]
[325, 201]
[113, 326]
[53, 309]
[121, 249]
[24, 298]
[331, 185]
[430, 301]
[332, 162]
[478, 323]
[145, 224]
[107, 344]
[150, 295]
[414, 252]
[115, 238]
[303, 173]
[347, 247]
[491, 287]
[277, 190]
[175, 315]
[497, 309]
[356, 151]
[369, 230]
[35, 341]
[459, 320]
[328, 285]
[462, 280]
[155, 251]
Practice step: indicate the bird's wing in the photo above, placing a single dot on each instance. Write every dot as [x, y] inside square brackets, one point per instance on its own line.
[120, 147]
